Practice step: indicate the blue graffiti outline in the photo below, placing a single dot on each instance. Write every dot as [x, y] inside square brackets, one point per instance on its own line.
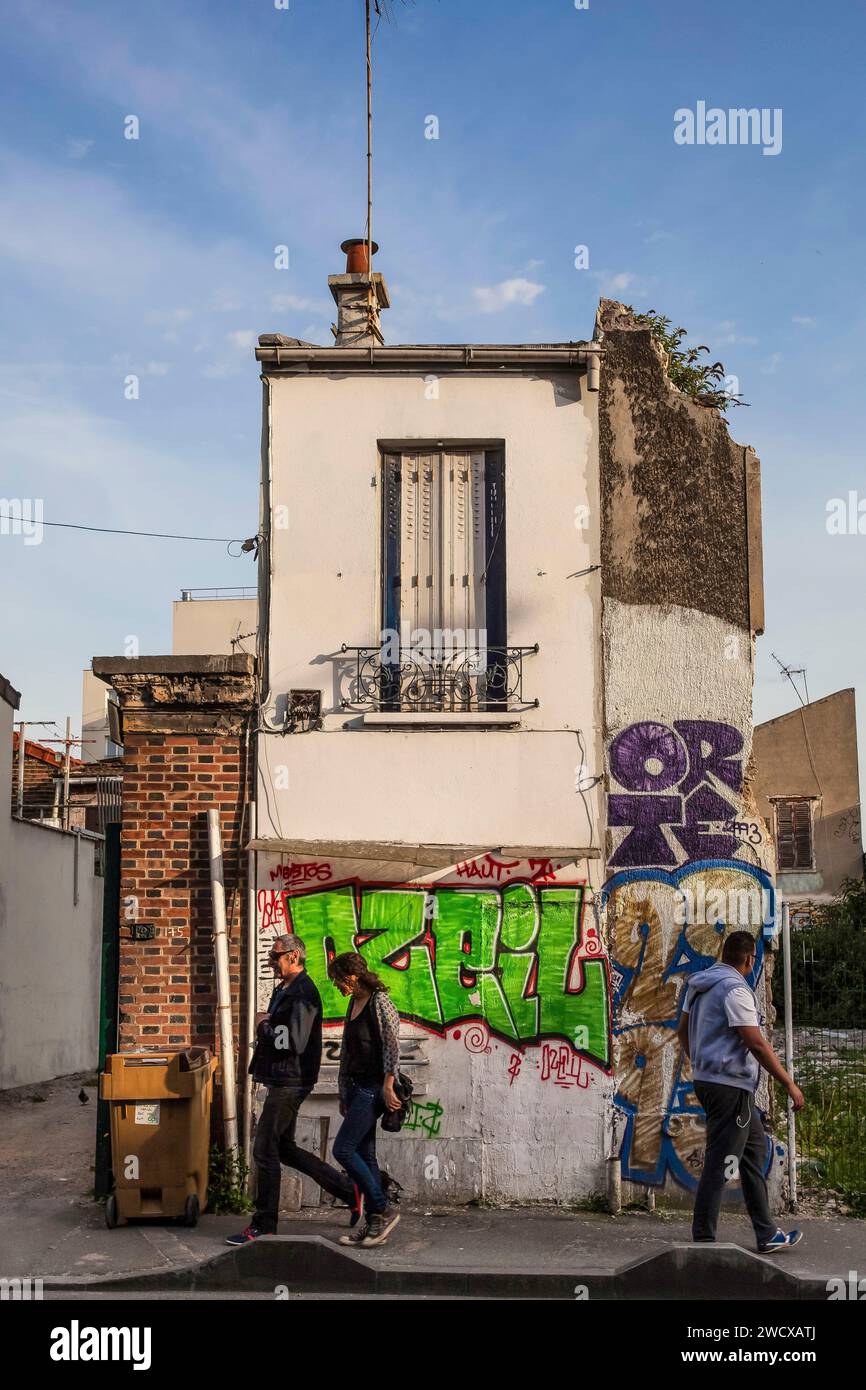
[677, 1101]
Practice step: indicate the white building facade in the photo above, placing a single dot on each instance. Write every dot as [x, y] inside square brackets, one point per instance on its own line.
[434, 746]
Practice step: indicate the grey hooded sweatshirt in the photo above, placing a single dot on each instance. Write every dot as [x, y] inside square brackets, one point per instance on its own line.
[718, 1052]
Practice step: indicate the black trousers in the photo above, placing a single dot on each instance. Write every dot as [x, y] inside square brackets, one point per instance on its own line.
[736, 1140]
[275, 1144]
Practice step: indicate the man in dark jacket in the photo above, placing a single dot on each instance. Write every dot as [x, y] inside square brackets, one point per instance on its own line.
[720, 1032]
[287, 1058]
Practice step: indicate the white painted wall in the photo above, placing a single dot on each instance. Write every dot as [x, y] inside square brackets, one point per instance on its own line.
[496, 787]
[94, 719]
[50, 949]
[205, 626]
[504, 1134]
[504, 1121]
[664, 664]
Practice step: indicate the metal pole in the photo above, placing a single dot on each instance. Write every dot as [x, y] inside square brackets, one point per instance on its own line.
[224, 998]
[789, 1053]
[108, 1001]
[252, 950]
[22, 743]
[66, 774]
[369, 149]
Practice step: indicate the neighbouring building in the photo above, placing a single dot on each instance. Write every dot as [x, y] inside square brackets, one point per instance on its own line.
[51, 898]
[203, 621]
[497, 735]
[808, 789]
[94, 788]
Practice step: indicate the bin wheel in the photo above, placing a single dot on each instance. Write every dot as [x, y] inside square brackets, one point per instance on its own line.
[111, 1212]
[191, 1211]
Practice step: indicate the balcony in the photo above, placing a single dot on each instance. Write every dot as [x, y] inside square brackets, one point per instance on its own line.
[469, 682]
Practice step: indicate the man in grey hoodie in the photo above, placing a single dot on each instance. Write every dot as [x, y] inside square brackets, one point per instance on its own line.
[721, 1034]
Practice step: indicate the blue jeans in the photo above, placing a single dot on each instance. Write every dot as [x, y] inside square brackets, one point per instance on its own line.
[355, 1144]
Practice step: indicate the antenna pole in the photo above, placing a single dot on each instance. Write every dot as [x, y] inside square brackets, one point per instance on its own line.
[369, 156]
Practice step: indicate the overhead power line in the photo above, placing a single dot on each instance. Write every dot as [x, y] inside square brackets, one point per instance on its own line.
[158, 535]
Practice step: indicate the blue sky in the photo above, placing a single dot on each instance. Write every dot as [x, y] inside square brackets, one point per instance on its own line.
[155, 257]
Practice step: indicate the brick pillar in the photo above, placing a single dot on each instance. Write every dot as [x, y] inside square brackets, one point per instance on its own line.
[188, 746]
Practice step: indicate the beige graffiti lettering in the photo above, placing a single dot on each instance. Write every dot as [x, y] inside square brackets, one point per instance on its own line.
[646, 1060]
[635, 906]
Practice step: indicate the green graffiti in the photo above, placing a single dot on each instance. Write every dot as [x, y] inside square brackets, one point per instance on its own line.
[448, 955]
[426, 1116]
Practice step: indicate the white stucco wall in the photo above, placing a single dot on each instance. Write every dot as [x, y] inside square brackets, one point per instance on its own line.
[205, 627]
[94, 718]
[670, 901]
[50, 948]
[498, 1118]
[491, 787]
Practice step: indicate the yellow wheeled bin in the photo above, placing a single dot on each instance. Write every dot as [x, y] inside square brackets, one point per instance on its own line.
[160, 1133]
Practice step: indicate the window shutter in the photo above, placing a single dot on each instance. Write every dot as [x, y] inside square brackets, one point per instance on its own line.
[421, 551]
[794, 834]
[462, 607]
[391, 490]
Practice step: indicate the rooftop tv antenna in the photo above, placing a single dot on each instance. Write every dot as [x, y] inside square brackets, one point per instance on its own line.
[382, 10]
[370, 138]
[791, 672]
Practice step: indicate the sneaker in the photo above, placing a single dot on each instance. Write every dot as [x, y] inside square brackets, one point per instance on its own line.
[244, 1237]
[380, 1224]
[357, 1206]
[357, 1236]
[782, 1240]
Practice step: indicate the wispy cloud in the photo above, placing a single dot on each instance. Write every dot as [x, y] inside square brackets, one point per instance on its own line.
[491, 299]
[284, 302]
[242, 338]
[77, 149]
[727, 334]
[804, 320]
[611, 282]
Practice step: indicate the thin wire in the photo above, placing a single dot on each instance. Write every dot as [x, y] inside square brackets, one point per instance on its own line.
[158, 535]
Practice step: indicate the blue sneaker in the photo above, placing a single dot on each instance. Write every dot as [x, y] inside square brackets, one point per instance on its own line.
[782, 1240]
[244, 1237]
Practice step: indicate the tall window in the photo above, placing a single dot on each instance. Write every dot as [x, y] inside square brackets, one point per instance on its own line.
[443, 568]
[794, 846]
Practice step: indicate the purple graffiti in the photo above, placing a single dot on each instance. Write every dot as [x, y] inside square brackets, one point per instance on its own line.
[724, 743]
[647, 758]
[697, 839]
[645, 843]
[700, 758]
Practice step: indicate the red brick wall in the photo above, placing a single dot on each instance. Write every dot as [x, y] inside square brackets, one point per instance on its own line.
[168, 985]
[42, 767]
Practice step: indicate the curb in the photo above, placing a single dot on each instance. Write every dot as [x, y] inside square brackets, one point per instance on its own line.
[312, 1264]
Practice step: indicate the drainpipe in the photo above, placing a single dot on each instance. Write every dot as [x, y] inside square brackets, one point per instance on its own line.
[224, 998]
[789, 1054]
[614, 1187]
[614, 1171]
[252, 960]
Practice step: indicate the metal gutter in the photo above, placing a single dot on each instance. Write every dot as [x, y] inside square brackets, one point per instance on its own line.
[465, 356]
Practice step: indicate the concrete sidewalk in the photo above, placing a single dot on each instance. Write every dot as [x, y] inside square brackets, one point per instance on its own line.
[50, 1227]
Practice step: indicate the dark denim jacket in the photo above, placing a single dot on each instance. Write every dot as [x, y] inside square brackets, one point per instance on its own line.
[289, 1041]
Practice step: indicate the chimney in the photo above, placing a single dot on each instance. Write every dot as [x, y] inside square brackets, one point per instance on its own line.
[358, 303]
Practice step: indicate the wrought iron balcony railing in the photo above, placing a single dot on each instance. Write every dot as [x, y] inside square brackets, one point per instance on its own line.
[464, 680]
